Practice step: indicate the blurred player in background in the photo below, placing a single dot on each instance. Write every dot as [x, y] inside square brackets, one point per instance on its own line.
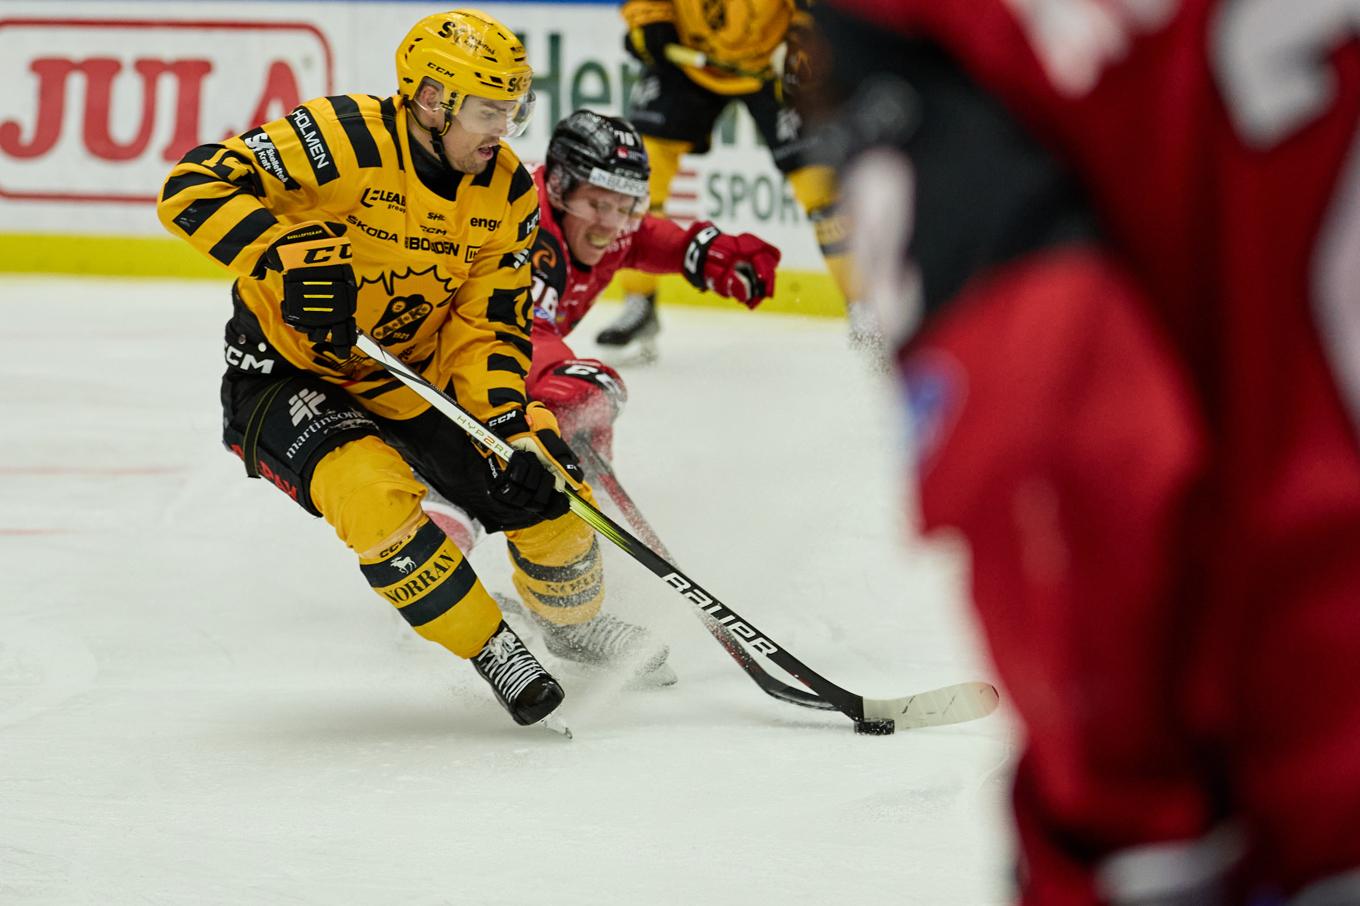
[1118, 247]
[700, 57]
[408, 218]
[593, 194]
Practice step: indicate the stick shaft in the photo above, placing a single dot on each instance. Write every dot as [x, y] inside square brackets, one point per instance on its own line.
[681, 55]
[603, 473]
[846, 702]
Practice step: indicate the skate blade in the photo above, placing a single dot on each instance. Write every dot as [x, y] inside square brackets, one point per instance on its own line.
[557, 725]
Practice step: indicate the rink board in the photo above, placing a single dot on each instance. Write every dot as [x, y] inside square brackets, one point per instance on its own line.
[105, 98]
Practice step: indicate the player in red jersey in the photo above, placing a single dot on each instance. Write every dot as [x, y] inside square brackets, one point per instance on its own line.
[592, 200]
[592, 193]
[1119, 245]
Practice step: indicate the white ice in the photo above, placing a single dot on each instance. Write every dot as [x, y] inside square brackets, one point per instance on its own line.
[202, 702]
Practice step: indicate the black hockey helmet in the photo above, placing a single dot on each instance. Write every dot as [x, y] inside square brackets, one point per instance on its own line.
[604, 151]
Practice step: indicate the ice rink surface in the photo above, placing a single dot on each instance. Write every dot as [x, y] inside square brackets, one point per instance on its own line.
[201, 701]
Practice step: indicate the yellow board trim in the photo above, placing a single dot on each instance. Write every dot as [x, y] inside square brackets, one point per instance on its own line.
[36, 253]
[798, 292]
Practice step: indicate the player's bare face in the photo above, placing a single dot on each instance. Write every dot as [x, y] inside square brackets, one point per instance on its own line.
[594, 217]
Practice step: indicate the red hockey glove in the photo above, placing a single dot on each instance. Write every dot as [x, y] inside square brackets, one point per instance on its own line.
[586, 395]
[739, 267]
[319, 291]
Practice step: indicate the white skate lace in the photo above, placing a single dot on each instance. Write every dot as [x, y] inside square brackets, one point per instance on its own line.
[611, 634]
[605, 637]
[508, 665]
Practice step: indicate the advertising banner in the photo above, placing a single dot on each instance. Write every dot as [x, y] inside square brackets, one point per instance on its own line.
[102, 99]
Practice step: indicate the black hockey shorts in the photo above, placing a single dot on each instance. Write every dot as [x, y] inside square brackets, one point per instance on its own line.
[281, 421]
[667, 104]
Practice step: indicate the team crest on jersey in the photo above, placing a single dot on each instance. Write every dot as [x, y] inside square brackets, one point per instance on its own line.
[402, 319]
[408, 300]
[935, 386]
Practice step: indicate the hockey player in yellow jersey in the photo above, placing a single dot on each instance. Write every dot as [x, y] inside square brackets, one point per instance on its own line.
[699, 57]
[408, 218]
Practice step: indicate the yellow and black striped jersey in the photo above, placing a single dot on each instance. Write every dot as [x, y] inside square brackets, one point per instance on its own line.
[440, 270]
[742, 34]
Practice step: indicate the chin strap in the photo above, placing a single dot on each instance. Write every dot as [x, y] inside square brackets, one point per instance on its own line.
[436, 135]
[437, 139]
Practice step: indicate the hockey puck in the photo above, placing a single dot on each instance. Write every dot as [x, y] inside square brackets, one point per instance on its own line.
[875, 727]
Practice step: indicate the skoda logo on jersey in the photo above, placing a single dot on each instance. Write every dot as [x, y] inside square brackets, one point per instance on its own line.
[934, 385]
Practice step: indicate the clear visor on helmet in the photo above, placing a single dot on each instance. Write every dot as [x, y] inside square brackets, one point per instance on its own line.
[485, 116]
[605, 207]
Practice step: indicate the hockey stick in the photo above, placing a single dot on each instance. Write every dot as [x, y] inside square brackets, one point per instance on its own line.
[681, 55]
[603, 472]
[946, 705]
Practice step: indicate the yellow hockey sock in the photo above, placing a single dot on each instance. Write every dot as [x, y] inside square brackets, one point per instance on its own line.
[815, 189]
[432, 585]
[558, 570]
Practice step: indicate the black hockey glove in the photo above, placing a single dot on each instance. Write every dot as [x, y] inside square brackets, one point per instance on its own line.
[534, 482]
[319, 291]
[648, 44]
[526, 484]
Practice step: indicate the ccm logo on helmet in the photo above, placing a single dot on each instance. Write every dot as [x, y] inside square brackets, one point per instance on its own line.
[484, 222]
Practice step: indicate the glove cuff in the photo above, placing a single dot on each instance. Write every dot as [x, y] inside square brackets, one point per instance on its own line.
[509, 425]
[293, 244]
[513, 424]
[700, 237]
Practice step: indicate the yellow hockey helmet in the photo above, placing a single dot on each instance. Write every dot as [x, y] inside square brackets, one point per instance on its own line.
[471, 55]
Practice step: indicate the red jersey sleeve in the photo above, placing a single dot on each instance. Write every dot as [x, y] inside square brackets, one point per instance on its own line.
[658, 247]
[550, 350]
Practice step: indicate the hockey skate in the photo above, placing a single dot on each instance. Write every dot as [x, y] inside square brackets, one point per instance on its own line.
[605, 642]
[631, 339]
[609, 642]
[520, 682]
